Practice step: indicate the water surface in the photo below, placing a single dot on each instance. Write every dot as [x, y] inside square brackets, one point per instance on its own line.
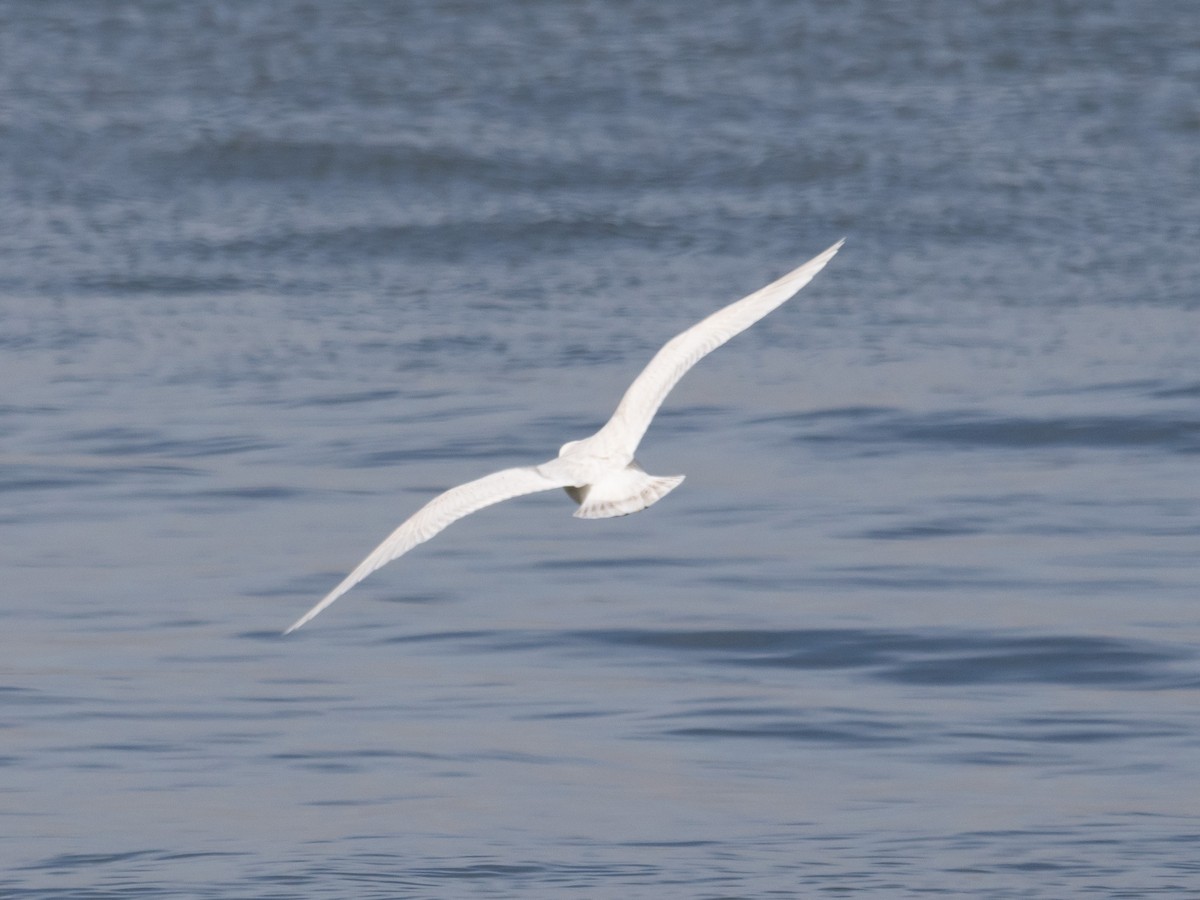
[923, 618]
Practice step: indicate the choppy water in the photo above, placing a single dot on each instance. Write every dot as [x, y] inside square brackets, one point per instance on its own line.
[924, 618]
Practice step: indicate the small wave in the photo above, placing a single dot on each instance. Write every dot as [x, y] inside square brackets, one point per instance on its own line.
[930, 659]
[879, 427]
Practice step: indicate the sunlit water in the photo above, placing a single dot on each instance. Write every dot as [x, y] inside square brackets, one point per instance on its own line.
[922, 620]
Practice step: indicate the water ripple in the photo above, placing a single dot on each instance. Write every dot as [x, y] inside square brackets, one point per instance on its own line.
[943, 659]
[876, 427]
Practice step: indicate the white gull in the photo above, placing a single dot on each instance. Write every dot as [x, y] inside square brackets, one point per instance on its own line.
[598, 472]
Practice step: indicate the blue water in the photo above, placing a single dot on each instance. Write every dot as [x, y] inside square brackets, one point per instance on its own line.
[923, 620]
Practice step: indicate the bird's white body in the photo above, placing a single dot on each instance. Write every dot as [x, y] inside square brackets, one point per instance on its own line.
[598, 472]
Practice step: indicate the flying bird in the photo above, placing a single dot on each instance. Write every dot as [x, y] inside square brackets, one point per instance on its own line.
[599, 472]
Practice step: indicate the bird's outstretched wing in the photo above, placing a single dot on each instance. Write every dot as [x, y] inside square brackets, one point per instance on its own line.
[441, 511]
[643, 398]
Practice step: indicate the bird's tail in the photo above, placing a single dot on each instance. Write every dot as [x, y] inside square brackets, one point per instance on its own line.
[621, 493]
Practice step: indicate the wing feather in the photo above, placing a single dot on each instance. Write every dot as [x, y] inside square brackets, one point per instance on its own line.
[441, 511]
[643, 398]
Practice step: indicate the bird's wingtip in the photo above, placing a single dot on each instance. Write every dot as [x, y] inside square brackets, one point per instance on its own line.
[303, 620]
